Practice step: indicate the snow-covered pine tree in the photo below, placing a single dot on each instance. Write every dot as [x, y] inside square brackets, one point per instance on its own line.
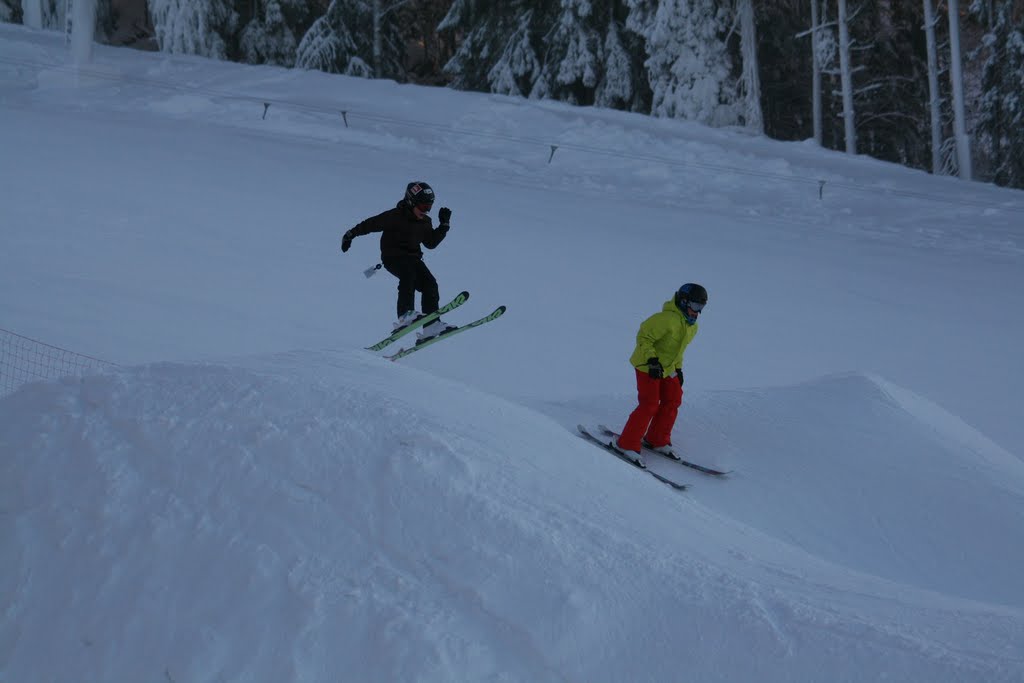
[1001, 122]
[501, 44]
[468, 67]
[573, 60]
[587, 57]
[342, 41]
[194, 27]
[269, 38]
[688, 63]
[518, 67]
[328, 45]
[619, 87]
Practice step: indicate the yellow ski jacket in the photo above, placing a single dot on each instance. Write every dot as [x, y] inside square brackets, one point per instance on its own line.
[664, 335]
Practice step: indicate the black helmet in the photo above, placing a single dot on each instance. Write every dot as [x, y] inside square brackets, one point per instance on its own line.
[418, 193]
[691, 297]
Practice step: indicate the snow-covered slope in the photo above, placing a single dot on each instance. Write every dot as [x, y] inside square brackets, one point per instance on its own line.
[321, 515]
[253, 497]
[864, 474]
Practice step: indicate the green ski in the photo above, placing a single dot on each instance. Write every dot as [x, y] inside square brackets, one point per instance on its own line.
[450, 333]
[419, 322]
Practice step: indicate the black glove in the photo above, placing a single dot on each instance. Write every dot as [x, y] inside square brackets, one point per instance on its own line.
[654, 368]
[679, 374]
[346, 241]
[444, 215]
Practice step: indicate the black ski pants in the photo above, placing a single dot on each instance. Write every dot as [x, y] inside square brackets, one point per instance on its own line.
[413, 276]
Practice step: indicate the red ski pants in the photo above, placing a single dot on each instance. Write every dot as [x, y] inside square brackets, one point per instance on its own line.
[654, 417]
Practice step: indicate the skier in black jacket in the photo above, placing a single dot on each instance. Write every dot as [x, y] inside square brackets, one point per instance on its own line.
[403, 229]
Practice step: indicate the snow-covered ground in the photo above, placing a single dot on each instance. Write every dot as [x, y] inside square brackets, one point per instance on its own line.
[251, 496]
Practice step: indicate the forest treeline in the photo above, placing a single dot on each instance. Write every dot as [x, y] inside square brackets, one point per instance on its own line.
[931, 84]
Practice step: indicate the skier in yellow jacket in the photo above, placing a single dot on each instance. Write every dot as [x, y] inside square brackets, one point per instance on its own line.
[658, 360]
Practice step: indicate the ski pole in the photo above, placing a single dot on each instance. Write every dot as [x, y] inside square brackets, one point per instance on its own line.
[370, 272]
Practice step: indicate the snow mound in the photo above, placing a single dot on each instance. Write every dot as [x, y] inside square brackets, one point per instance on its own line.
[864, 473]
[315, 514]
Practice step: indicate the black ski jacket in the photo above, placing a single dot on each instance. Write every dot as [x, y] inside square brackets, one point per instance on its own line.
[401, 233]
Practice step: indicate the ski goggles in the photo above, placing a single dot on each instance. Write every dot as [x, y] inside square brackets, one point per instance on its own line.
[695, 306]
[425, 208]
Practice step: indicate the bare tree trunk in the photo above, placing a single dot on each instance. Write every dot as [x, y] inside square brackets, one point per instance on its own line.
[32, 13]
[751, 79]
[963, 143]
[377, 15]
[847, 80]
[933, 87]
[816, 83]
[83, 26]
